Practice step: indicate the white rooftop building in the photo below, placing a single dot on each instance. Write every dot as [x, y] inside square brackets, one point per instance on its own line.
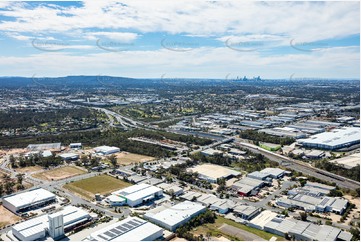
[38, 228]
[262, 219]
[129, 229]
[28, 200]
[336, 139]
[106, 150]
[135, 195]
[174, 217]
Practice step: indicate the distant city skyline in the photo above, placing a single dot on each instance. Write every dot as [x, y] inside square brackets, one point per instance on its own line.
[188, 39]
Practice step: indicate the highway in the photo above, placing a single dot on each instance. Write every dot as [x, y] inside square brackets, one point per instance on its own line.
[293, 164]
[303, 167]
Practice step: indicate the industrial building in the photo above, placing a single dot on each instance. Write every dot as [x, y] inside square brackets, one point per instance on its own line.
[53, 225]
[28, 200]
[305, 231]
[248, 186]
[69, 156]
[42, 147]
[134, 195]
[335, 139]
[129, 229]
[106, 150]
[176, 216]
[348, 162]
[246, 212]
[212, 172]
[171, 189]
[262, 219]
[311, 203]
[75, 146]
[215, 203]
[211, 152]
[275, 173]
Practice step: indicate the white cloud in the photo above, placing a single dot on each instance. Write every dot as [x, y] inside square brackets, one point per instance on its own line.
[305, 21]
[118, 36]
[201, 62]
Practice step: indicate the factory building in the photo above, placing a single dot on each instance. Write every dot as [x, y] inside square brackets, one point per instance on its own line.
[69, 156]
[106, 150]
[53, 225]
[248, 186]
[42, 147]
[336, 139]
[246, 212]
[310, 203]
[129, 229]
[171, 189]
[176, 216]
[305, 231]
[262, 219]
[28, 200]
[75, 146]
[134, 195]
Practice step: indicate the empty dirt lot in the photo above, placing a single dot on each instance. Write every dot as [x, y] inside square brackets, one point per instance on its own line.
[126, 158]
[7, 217]
[59, 173]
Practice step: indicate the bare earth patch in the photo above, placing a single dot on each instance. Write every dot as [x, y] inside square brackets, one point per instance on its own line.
[59, 173]
[29, 169]
[7, 217]
[126, 158]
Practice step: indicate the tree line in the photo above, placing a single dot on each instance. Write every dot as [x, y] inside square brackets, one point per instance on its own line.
[263, 137]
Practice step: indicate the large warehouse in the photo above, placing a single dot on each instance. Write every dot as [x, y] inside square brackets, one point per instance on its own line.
[129, 229]
[212, 172]
[28, 200]
[174, 217]
[106, 150]
[134, 195]
[336, 139]
[41, 227]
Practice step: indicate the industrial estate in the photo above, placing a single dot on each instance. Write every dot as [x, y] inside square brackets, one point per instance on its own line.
[113, 158]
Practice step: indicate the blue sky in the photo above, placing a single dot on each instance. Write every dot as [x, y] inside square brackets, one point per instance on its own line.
[201, 39]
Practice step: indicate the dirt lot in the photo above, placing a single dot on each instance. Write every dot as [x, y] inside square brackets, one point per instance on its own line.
[29, 169]
[12, 151]
[126, 158]
[59, 173]
[7, 217]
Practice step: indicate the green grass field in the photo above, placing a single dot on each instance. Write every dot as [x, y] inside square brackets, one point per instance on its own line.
[102, 184]
[213, 229]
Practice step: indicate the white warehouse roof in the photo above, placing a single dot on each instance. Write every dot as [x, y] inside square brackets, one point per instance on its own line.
[129, 229]
[335, 138]
[29, 198]
[37, 226]
[175, 216]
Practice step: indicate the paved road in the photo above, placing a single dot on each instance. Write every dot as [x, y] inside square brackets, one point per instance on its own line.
[303, 167]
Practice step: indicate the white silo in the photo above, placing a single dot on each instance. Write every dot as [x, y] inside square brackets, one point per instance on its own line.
[56, 225]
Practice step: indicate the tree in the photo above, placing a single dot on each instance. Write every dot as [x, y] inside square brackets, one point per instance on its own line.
[1, 190]
[303, 216]
[355, 234]
[335, 193]
[9, 186]
[12, 161]
[20, 178]
[113, 160]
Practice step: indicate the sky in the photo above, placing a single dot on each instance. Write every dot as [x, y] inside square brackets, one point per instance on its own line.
[180, 39]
